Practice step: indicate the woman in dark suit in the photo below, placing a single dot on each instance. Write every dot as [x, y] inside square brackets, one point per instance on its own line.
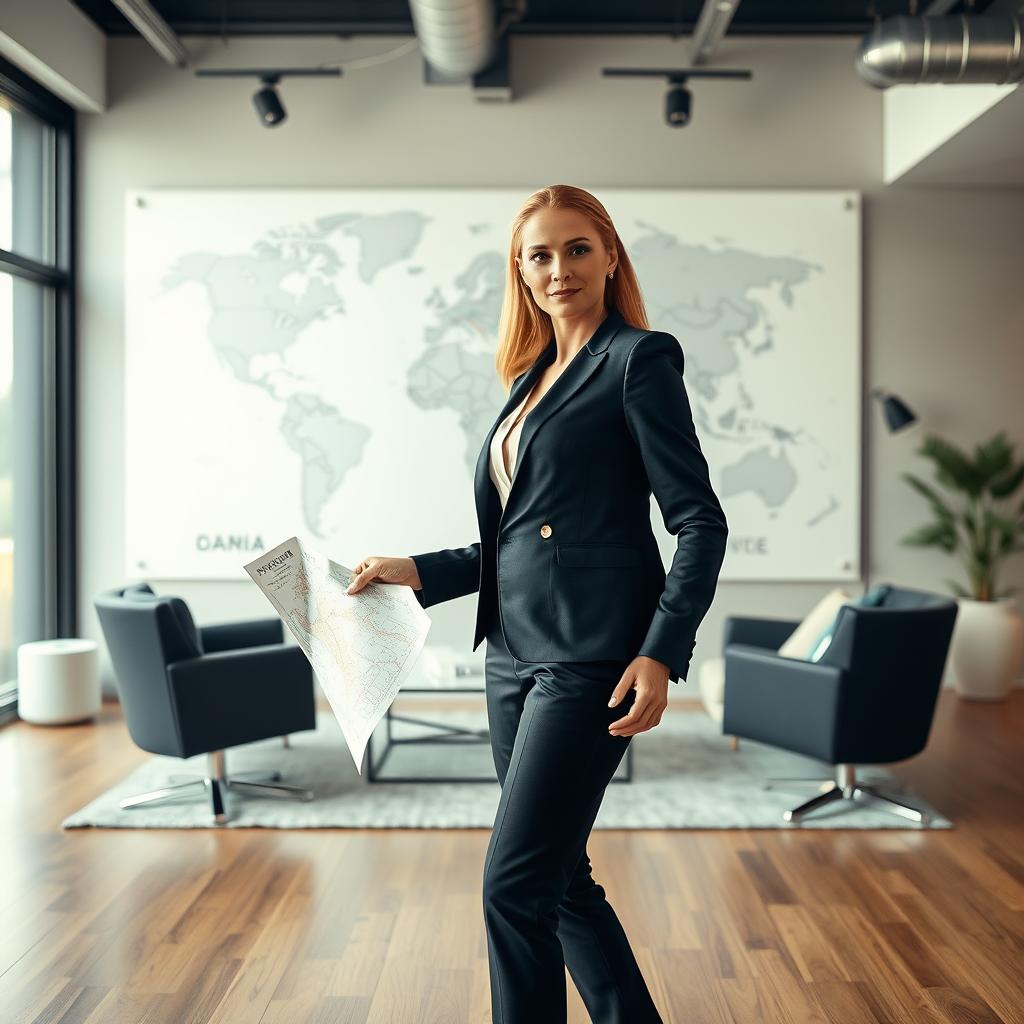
[584, 629]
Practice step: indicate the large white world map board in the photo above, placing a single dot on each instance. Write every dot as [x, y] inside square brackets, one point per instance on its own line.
[321, 362]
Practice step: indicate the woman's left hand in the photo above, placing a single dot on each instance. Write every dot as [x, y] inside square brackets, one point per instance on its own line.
[650, 677]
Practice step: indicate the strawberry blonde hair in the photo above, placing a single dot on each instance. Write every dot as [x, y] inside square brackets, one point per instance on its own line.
[525, 329]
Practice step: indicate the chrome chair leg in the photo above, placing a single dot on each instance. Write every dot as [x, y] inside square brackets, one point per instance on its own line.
[253, 775]
[849, 780]
[254, 782]
[212, 786]
[257, 776]
[159, 794]
[793, 783]
[845, 787]
[261, 789]
[797, 813]
[892, 804]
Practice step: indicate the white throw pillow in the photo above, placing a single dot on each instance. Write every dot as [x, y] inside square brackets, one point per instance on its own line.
[801, 642]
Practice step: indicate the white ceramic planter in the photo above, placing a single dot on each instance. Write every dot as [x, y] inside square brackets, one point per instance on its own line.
[987, 648]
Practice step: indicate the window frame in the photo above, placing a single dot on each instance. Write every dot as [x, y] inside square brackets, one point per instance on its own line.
[61, 563]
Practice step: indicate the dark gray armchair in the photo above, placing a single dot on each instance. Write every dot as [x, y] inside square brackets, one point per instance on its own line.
[869, 699]
[186, 690]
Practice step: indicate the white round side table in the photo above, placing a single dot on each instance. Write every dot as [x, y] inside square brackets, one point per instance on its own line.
[58, 681]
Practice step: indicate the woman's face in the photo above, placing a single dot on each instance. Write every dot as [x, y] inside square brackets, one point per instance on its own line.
[562, 250]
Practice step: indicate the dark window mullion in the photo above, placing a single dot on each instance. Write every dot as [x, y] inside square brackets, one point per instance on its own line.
[33, 270]
[66, 375]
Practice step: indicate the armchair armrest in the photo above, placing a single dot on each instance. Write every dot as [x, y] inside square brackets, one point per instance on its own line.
[242, 696]
[758, 632]
[786, 702]
[230, 636]
[252, 666]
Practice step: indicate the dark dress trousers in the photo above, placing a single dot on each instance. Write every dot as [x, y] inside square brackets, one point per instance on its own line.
[571, 564]
[543, 910]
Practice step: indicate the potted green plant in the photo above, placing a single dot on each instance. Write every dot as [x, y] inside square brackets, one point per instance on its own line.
[981, 526]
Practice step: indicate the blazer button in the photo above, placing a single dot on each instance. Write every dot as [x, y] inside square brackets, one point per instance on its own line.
[545, 531]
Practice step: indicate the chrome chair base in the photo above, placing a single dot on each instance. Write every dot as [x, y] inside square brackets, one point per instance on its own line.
[846, 787]
[216, 783]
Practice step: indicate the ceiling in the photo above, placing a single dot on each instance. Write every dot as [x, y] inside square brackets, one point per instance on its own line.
[380, 17]
[989, 152]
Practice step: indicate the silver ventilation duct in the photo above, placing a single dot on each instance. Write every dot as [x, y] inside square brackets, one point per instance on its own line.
[457, 37]
[963, 48]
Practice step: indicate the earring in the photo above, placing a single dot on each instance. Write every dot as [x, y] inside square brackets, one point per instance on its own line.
[611, 274]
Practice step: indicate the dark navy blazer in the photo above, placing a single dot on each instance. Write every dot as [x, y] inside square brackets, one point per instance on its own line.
[572, 563]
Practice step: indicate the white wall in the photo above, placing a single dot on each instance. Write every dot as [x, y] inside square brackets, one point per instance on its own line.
[919, 118]
[943, 303]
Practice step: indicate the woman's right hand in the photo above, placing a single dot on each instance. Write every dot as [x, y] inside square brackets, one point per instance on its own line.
[376, 569]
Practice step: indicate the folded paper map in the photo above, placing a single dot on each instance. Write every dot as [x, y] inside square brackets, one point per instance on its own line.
[361, 646]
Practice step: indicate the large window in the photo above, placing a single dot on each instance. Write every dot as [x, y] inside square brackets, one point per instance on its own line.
[37, 499]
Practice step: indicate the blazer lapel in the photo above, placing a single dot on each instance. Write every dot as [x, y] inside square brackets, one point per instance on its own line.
[482, 476]
[581, 368]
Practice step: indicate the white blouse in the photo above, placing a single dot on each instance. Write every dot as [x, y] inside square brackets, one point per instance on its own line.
[505, 445]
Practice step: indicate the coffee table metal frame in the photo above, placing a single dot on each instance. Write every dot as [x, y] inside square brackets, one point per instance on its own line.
[445, 734]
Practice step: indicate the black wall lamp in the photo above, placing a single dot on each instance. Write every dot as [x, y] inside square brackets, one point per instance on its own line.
[898, 415]
[266, 100]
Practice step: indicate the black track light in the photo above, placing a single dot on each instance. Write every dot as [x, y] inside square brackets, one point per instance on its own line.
[266, 100]
[678, 100]
[267, 103]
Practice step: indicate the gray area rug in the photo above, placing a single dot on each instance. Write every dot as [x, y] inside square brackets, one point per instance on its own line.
[685, 775]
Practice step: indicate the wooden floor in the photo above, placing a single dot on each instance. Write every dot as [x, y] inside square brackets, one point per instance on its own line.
[336, 926]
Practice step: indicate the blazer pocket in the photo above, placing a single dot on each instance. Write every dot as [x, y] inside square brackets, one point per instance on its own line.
[597, 554]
